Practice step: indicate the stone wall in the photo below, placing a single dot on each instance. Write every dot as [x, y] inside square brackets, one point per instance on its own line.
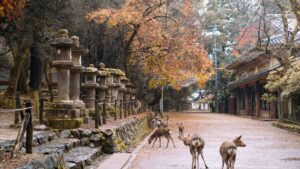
[129, 134]
[121, 138]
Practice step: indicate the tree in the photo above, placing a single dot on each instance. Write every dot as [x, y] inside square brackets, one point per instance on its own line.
[162, 36]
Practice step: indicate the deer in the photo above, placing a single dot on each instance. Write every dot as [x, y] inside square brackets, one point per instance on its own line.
[228, 151]
[157, 122]
[196, 145]
[158, 133]
[180, 130]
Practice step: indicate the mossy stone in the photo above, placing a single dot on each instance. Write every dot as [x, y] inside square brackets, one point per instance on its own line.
[65, 123]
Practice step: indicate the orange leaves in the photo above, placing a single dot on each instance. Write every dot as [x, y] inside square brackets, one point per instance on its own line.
[11, 8]
[166, 41]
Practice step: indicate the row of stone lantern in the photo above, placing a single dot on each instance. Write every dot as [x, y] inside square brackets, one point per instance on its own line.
[108, 84]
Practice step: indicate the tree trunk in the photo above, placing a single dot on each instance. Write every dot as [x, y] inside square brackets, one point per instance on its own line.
[14, 76]
[23, 78]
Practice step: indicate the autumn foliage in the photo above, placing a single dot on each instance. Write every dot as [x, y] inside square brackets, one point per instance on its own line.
[161, 35]
[11, 8]
[246, 37]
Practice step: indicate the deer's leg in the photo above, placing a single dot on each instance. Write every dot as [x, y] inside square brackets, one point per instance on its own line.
[222, 163]
[197, 157]
[232, 162]
[172, 141]
[167, 141]
[193, 161]
[203, 159]
[159, 141]
[154, 141]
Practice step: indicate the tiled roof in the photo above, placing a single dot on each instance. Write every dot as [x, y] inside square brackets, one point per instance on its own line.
[247, 57]
[277, 37]
[256, 76]
[277, 29]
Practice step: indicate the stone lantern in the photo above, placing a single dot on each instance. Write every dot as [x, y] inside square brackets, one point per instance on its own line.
[77, 51]
[61, 113]
[122, 89]
[116, 74]
[90, 84]
[109, 83]
[128, 91]
[101, 80]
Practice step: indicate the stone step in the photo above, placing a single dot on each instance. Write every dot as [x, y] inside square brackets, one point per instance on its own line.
[38, 139]
[80, 157]
[58, 146]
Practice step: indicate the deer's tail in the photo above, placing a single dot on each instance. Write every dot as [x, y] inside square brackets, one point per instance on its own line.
[196, 143]
[231, 152]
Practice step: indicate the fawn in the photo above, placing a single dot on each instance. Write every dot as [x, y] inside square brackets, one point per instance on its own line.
[161, 131]
[196, 144]
[180, 130]
[228, 151]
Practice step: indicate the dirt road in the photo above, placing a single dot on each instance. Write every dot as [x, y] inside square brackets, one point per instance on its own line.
[268, 147]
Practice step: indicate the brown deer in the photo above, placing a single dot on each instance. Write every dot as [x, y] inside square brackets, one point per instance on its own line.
[228, 151]
[161, 131]
[196, 144]
[180, 130]
[157, 122]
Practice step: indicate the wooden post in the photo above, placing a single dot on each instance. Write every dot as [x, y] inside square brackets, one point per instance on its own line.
[131, 106]
[18, 105]
[115, 115]
[121, 107]
[41, 111]
[96, 114]
[104, 111]
[29, 129]
[125, 108]
[128, 107]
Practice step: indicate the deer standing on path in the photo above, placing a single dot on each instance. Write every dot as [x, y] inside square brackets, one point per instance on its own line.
[228, 151]
[196, 144]
[161, 131]
[180, 130]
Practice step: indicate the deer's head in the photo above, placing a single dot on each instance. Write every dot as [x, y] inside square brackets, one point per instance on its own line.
[238, 142]
[186, 140]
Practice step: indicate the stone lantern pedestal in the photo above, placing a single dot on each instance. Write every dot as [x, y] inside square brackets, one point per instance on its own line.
[90, 84]
[113, 86]
[62, 113]
[77, 51]
[129, 87]
[101, 80]
[122, 89]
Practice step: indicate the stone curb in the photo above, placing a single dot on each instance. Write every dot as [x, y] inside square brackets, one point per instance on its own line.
[286, 126]
[133, 155]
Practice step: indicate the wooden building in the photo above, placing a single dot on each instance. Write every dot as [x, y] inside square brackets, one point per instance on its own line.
[251, 70]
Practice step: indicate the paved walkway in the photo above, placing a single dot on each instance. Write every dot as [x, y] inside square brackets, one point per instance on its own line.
[268, 147]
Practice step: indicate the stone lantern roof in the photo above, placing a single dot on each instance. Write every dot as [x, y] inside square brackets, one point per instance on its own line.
[116, 72]
[103, 73]
[90, 69]
[62, 40]
[124, 79]
[77, 46]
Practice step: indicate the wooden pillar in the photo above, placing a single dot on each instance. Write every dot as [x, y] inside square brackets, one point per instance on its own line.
[257, 99]
[231, 103]
[238, 101]
[247, 101]
[273, 107]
